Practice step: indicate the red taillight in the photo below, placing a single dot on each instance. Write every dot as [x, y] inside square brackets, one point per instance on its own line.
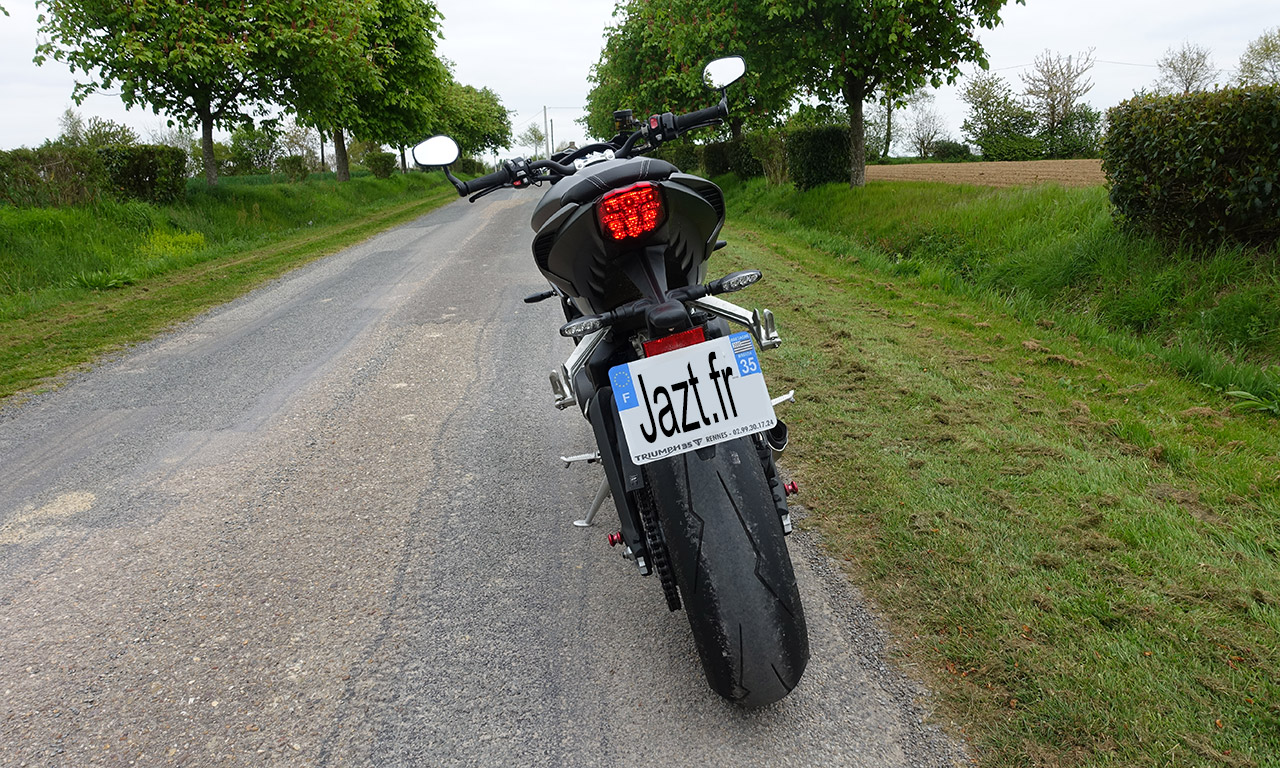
[631, 212]
[676, 341]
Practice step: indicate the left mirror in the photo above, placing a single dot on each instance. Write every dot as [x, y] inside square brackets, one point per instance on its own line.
[437, 150]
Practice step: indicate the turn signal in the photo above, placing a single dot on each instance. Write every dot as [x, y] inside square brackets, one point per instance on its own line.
[631, 212]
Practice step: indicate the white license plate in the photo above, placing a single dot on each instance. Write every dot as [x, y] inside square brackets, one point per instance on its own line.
[693, 397]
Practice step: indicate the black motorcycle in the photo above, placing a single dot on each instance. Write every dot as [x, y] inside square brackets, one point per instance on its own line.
[683, 420]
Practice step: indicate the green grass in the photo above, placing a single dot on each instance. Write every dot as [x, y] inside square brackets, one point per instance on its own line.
[1055, 253]
[76, 283]
[1074, 545]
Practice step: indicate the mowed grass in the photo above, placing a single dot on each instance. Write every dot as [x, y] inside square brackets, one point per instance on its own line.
[1075, 546]
[78, 283]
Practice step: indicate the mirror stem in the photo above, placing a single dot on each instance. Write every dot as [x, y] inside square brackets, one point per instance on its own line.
[458, 185]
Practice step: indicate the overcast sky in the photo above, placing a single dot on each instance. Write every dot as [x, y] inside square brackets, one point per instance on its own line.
[539, 54]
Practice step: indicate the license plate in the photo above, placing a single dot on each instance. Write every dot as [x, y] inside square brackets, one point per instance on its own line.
[690, 398]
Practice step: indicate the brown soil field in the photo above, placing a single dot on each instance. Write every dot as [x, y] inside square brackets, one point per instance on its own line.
[1069, 173]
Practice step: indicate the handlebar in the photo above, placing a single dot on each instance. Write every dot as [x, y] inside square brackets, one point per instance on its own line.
[496, 179]
[521, 173]
[701, 117]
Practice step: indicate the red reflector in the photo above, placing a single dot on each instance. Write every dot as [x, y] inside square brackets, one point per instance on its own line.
[631, 212]
[678, 341]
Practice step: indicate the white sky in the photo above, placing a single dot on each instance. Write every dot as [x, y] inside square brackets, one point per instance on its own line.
[539, 54]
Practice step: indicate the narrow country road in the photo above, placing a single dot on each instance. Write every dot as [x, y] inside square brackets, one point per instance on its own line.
[326, 525]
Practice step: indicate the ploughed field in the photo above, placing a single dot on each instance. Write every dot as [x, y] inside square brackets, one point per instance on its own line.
[1069, 173]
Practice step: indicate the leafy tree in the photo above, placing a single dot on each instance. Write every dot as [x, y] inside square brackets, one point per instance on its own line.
[206, 64]
[850, 50]
[410, 81]
[1260, 62]
[254, 150]
[653, 58]
[1001, 125]
[1054, 87]
[1079, 135]
[534, 138]
[387, 92]
[94, 133]
[1186, 69]
[300, 141]
[474, 118]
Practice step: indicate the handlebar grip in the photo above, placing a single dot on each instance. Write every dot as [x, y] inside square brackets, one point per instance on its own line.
[702, 116]
[495, 179]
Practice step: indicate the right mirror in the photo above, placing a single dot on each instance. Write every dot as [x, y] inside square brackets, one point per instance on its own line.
[437, 150]
[723, 73]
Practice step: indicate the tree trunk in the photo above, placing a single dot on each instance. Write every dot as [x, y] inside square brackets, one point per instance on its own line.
[340, 167]
[206, 146]
[404, 167]
[854, 94]
[888, 131]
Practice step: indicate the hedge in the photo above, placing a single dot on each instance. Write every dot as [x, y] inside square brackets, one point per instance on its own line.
[150, 172]
[381, 164]
[1199, 166]
[734, 156]
[681, 154]
[817, 156]
[51, 176]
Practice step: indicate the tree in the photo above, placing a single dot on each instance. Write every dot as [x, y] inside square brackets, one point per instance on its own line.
[653, 58]
[890, 102]
[298, 140]
[1054, 86]
[850, 50]
[1186, 69]
[254, 150]
[206, 64]
[94, 133]
[1260, 62]
[384, 87]
[474, 118]
[533, 138]
[409, 80]
[1001, 125]
[925, 129]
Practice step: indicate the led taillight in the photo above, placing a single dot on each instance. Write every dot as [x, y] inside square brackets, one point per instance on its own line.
[630, 212]
[675, 341]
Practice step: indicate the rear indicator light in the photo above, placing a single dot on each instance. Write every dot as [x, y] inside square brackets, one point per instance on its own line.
[675, 341]
[631, 212]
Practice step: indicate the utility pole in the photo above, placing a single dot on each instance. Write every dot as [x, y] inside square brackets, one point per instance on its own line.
[552, 136]
[546, 130]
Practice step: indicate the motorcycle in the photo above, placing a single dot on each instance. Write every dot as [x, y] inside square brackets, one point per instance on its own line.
[685, 427]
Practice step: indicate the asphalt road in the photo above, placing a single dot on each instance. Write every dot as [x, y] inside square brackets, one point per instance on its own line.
[325, 525]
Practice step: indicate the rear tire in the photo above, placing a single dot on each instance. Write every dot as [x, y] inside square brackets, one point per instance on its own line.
[726, 546]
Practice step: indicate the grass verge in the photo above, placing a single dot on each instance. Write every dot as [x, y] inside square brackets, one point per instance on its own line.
[80, 283]
[1077, 549]
[1054, 253]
